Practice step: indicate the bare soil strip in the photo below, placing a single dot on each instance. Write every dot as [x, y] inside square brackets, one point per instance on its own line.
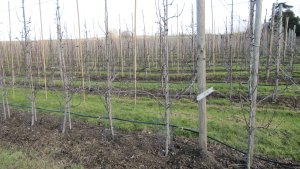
[92, 146]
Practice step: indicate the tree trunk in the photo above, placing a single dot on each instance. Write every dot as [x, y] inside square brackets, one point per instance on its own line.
[254, 63]
[28, 65]
[271, 41]
[63, 71]
[285, 39]
[109, 78]
[231, 52]
[213, 37]
[80, 52]
[11, 55]
[135, 52]
[293, 43]
[43, 51]
[251, 35]
[6, 109]
[165, 73]
[121, 48]
[279, 34]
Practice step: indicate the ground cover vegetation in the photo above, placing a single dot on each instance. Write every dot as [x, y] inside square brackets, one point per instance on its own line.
[149, 84]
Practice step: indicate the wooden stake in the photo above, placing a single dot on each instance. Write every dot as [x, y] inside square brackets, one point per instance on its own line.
[10, 53]
[135, 52]
[43, 51]
[201, 73]
[213, 37]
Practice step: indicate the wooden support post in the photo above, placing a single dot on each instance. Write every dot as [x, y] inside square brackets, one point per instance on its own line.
[201, 73]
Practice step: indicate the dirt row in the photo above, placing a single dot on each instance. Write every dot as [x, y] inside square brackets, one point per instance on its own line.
[93, 147]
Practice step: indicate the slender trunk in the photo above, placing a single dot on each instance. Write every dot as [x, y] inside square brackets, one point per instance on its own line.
[43, 51]
[231, 52]
[3, 91]
[10, 53]
[87, 61]
[193, 41]
[80, 52]
[28, 64]
[285, 39]
[6, 109]
[193, 53]
[213, 38]
[32, 94]
[156, 51]
[279, 34]
[146, 59]
[271, 41]
[293, 43]
[109, 82]
[165, 75]
[135, 52]
[254, 81]
[178, 44]
[121, 48]
[251, 36]
[225, 47]
[63, 71]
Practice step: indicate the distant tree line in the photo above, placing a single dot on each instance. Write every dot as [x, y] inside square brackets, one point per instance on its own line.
[289, 13]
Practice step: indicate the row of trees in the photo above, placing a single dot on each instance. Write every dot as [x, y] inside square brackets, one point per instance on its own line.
[42, 62]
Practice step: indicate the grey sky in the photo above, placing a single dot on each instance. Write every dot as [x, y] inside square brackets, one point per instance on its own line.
[92, 13]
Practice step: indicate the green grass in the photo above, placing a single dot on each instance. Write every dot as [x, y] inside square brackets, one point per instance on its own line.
[13, 158]
[264, 89]
[225, 119]
[178, 87]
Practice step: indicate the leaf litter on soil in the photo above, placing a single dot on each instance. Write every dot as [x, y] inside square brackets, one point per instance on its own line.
[92, 146]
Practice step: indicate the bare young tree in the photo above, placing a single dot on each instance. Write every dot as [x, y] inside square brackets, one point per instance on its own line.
[43, 51]
[5, 104]
[121, 48]
[165, 65]
[213, 37]
[251, 39]
[135, 52]
[231, 53]
[28, 64]
[63, 70]
[145, 49]
[164, 51]
[109, 77]
[254, 63]
[10, 54]
[278, 57]
[87, 57]
[285, 39]
[292, 48]
[178, 44]
[271, 42]
[82, 67]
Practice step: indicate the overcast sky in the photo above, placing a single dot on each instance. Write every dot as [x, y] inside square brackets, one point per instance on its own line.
[92, 13]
